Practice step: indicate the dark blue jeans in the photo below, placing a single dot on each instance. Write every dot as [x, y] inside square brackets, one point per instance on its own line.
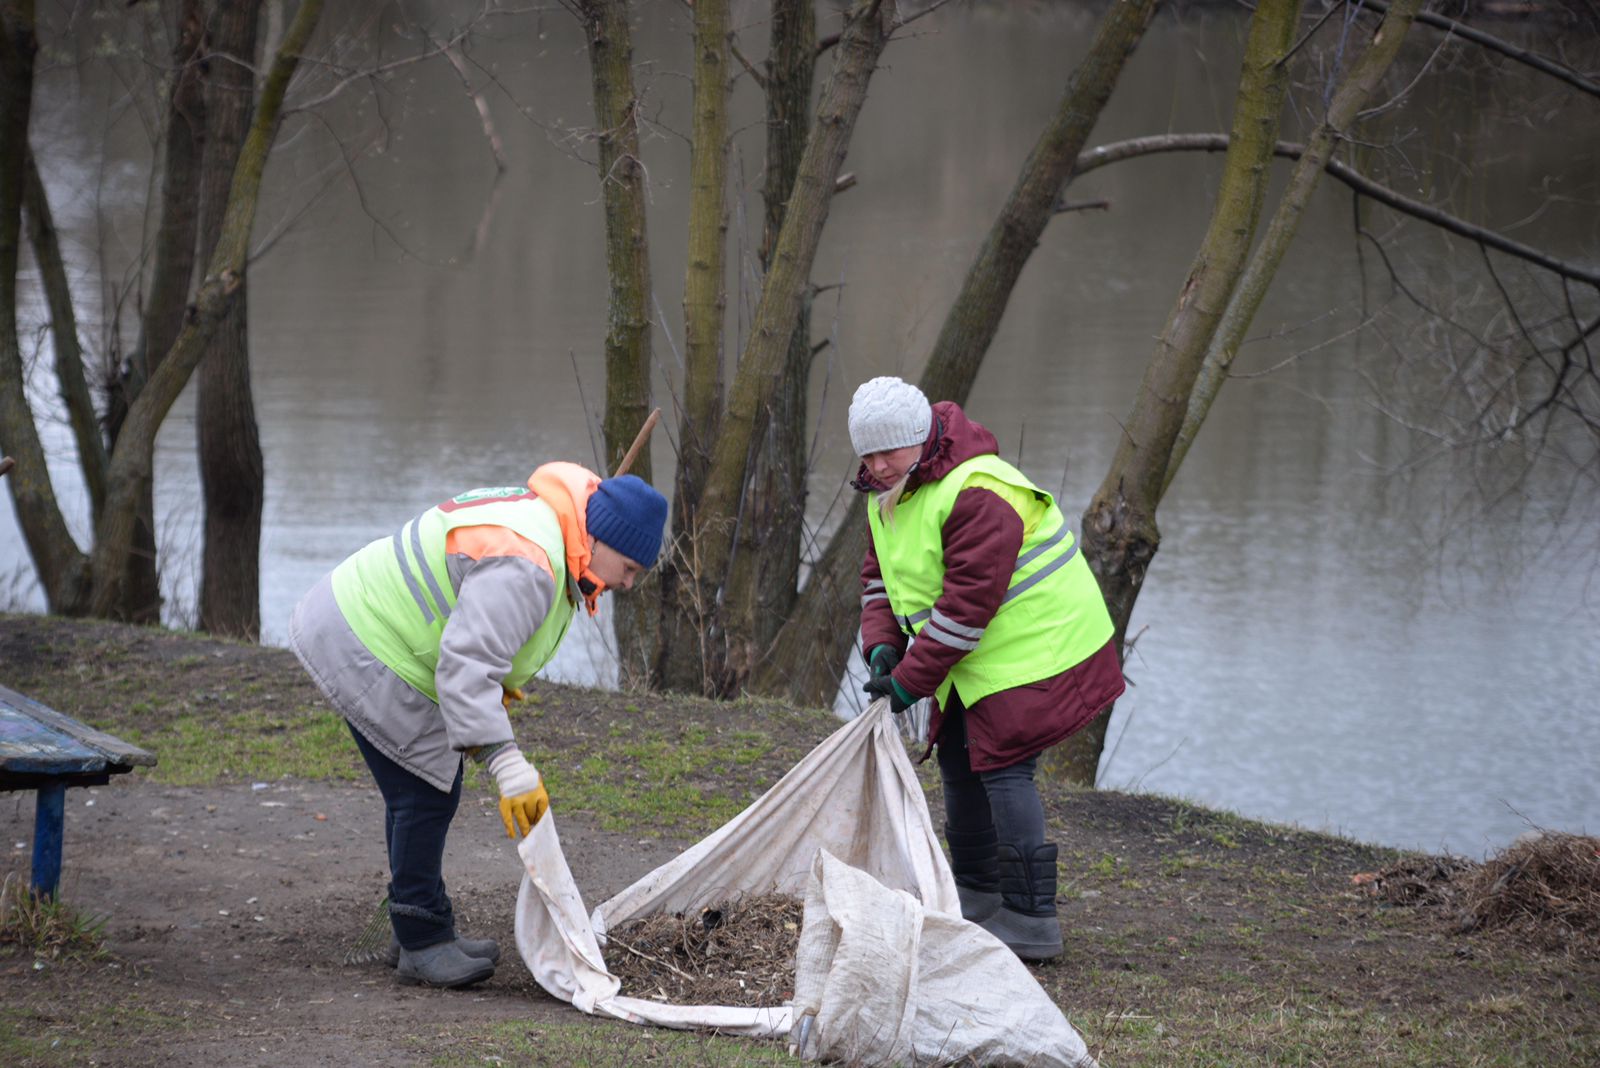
[1005, 799]
[416, 819]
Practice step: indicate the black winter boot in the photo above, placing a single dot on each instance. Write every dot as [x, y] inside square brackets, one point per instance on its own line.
[482, 948]
[442, 964]
[1026, 921]
[976, 866]
[447, 961]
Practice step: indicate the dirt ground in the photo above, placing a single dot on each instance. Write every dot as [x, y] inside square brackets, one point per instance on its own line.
[229, 909]
[1193, 937]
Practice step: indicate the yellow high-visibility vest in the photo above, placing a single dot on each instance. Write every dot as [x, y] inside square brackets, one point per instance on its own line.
[395, 593]
[1052, 616]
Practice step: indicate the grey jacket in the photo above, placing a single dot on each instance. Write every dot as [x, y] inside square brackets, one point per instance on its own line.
[500, 602]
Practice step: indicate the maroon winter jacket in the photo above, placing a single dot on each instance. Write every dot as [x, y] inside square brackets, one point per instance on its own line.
[982, 538]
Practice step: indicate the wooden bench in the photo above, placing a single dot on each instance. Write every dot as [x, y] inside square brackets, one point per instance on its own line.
[43, 750]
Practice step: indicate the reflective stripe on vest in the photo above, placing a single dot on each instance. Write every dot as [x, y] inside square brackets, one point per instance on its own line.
[410, 533]
[396, 593]
[910, 623]
[1051, 617]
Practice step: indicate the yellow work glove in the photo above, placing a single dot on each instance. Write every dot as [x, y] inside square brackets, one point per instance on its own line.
[523, 800]
[507, 696]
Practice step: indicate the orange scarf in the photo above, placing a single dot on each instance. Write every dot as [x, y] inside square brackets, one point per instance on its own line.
[567, 487]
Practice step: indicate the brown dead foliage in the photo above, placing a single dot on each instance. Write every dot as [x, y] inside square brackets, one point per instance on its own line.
[740, 953]
[1420, 881]
[1545, 886]
[1550, 884]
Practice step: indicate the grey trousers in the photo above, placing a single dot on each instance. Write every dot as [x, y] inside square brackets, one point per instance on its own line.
[1005, 799]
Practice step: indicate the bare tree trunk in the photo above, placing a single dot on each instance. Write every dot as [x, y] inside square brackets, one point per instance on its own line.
[704, 293]
[704, 296]
[169, 286]
[764, 582]
[812, 647]
[58, 560]
[791, 73]
[232, 477]
[622, 187]
[1352, 95]
[131, 463]
[697, 660]
[74, 384]
[1120, 536]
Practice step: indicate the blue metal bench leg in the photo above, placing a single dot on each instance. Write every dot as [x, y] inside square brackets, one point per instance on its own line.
[48, 819]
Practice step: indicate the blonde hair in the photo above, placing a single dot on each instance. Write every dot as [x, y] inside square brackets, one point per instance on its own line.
[891, 497]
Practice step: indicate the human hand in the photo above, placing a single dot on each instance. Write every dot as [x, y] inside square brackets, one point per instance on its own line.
[523, 799]
[899, 697]
[883, 659]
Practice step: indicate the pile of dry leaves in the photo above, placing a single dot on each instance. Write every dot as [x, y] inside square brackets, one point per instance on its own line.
[1544, 885]
[738, 953]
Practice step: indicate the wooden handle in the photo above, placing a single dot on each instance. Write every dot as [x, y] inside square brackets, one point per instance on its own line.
[638, 443]
[7, 463]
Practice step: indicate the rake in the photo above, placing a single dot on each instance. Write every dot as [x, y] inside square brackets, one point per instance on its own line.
[372, 944]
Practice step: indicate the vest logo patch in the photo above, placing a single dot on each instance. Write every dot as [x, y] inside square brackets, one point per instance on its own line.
[488, 495]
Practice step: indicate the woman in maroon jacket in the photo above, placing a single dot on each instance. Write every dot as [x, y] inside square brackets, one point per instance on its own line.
[958, 536]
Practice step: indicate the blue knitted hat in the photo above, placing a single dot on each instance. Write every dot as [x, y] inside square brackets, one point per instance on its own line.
[628, 514]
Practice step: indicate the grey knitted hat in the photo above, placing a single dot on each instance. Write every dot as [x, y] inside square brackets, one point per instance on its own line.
[887, 413]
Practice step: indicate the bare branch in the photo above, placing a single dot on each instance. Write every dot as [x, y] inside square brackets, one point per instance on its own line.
[759, 78]
[372, 73]
[64, 330]
[1496, 44]
[1118, 151]
[495, 147]
[1064, 206]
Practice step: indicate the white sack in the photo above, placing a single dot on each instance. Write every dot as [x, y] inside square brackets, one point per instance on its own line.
[855, 795]
[879, 979]
[854, 799]
[563, 955]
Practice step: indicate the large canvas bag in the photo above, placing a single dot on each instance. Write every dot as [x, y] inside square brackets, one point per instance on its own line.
[845, 826]
[881, 979]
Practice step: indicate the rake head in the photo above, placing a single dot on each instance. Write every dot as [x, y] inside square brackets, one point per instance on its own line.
[373, 941]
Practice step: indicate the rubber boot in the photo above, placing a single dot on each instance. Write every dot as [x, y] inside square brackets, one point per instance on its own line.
[976, 866]
[442, 964]
[1026, 920]
[482, 948]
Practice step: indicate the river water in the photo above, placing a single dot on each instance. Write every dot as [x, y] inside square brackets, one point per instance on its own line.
[1335, 634]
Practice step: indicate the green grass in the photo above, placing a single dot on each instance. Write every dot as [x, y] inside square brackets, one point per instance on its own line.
[595, 1042]
[1107, 867]
[1220, 828]
[1199, 1028]
[1196, 938]
[650, 783]
[45, 928]
[23, 1040]
[196, 750]
[34, 1037]
[1188, 1028]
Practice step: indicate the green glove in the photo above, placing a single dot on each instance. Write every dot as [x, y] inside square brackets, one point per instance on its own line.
[882, 659]
[899, 697]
